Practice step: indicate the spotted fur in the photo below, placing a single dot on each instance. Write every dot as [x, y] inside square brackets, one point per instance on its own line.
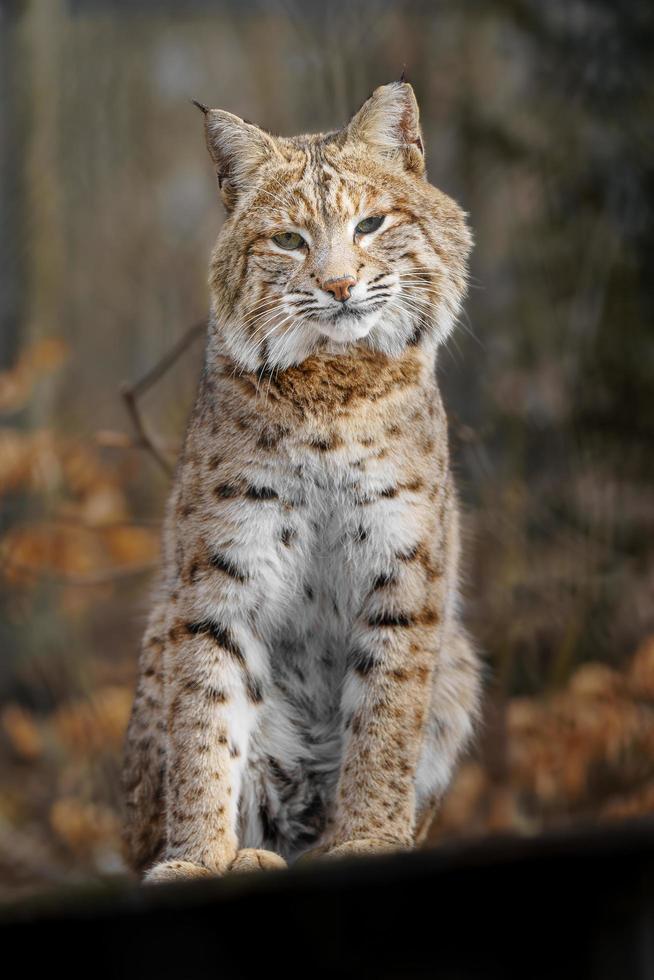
[305, 681]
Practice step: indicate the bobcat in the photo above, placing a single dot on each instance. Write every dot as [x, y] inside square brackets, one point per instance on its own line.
[305, 680]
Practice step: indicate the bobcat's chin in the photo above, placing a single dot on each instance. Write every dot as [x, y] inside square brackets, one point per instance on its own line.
[347, 326]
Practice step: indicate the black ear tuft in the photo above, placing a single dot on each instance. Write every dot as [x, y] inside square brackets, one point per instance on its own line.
[202, 108]
[403, 77]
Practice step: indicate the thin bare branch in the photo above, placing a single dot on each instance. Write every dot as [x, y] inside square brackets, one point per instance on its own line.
[132, 392]
[131, 403]
[164, 364]
[111, 439]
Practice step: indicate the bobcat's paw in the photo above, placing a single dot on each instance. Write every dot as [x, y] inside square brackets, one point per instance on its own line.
[365, 845]
[254, 859]
[174, 871]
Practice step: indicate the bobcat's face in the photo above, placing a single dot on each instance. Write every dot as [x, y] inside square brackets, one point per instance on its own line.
[334, 239]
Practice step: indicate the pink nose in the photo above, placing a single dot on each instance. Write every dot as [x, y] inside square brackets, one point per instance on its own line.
[339, 287]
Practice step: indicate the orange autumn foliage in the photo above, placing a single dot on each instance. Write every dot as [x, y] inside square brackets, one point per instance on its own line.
[587, 750]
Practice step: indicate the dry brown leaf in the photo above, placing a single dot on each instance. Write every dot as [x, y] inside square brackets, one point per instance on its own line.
[86, 727]
[22, 731]
[28, 552]
[83, 826]
[641, 672]
[131, 545]
[17, 384]
[593, 680]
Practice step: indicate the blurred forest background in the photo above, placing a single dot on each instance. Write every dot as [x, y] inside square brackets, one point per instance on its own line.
[538, 119]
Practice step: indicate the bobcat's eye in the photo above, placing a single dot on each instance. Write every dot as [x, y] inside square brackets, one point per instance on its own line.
[369, 224]
[288, 239]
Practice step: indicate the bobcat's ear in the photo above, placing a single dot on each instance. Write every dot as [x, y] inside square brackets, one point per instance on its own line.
[237, 149]
[389, 123]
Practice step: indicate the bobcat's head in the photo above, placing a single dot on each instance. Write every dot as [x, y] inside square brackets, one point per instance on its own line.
[333, 240]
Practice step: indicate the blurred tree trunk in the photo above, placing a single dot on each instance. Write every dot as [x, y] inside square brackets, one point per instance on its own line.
[38, 51]
[12, 197]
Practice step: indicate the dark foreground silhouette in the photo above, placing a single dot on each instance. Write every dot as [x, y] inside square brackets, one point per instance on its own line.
[575, 904]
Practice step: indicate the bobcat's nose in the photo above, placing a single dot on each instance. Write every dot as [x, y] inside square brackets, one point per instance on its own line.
[339, 287]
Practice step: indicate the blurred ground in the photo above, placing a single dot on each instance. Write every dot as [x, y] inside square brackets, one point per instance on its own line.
[538, 120]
